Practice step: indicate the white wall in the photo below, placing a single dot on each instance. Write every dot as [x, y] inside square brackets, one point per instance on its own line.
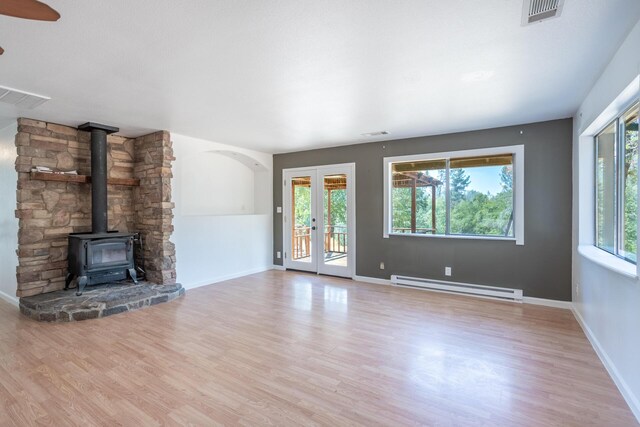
[8, 221]
[607, 302]
[223, 219]
[231, 181]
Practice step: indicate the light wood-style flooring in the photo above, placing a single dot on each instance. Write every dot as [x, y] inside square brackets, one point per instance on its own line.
[285, 348]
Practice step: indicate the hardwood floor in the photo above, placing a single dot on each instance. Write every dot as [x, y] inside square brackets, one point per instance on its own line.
[283, 348]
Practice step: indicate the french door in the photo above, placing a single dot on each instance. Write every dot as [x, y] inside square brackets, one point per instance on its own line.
[319, 219]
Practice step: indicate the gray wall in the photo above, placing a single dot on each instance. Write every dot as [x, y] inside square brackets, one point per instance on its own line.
[542, 267]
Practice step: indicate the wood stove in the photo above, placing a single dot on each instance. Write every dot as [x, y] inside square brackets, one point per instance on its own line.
[100, 256]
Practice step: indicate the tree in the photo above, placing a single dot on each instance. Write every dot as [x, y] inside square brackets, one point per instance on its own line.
[338, 207]
[459, 183]
[302, 206]
[630, 192]
[506, 178]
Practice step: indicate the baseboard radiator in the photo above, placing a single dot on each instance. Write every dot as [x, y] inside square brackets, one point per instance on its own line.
[458, 288]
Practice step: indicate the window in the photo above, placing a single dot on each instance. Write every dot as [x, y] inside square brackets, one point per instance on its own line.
[459, 194]
[616, 178]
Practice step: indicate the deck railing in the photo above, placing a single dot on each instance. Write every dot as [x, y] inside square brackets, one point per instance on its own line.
[417, 230]
[335, 240]
[301, 244]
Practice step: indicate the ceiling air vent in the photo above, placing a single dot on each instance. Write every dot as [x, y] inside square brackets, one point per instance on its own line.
[21, 99]
[540, 10]
[378, 133]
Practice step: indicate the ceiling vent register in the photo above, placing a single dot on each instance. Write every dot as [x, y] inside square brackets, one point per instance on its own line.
[378, 133]
[540, 10]
[21, 99]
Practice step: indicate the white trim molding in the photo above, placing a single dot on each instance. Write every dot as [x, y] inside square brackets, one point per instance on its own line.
[372, 280]
[566, 305]
[10, 299]
[279, 267]
[628, 395]
[219, 279]
[518, 178]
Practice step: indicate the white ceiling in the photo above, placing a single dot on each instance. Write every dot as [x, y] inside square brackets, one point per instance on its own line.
[286, 75]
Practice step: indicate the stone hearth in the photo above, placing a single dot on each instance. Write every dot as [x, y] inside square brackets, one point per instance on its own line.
[97, 301]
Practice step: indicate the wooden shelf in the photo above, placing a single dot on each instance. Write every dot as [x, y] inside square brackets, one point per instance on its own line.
[133, 182]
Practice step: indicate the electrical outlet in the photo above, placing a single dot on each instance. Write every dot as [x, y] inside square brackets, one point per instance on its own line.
[577, 289]
[278, 255]
[279, 209]
[447, 271]
[382, 266]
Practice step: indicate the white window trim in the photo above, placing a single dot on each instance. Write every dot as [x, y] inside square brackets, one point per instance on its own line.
[518, 168]
[586, 184]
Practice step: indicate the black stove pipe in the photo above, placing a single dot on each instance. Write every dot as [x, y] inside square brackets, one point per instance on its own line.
[99, 219]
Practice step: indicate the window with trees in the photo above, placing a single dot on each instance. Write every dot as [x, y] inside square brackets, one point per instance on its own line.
[460, 194]
[616, 177]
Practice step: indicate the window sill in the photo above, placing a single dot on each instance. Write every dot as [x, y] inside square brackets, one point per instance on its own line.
[608, 261]
[452, 236]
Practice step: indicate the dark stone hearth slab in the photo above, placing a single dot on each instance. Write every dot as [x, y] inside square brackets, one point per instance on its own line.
[97, 301]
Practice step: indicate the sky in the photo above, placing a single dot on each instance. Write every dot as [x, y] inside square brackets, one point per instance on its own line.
[483, 180]
[486, 179]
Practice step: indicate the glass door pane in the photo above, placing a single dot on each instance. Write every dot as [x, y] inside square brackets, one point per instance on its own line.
[302, 219]
[335, 222]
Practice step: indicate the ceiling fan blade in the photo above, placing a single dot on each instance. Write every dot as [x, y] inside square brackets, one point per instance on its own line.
[28, 9]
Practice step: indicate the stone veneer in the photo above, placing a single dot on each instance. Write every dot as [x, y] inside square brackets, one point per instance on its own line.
[48, 211]
[153, 206]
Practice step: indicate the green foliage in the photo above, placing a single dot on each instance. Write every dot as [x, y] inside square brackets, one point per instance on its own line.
[338, 207]
[302, 206]
[401, 208]
[630, 194]
[482, 214]
[459, 183]
[302, 199]
[506, 178]
[401, 199]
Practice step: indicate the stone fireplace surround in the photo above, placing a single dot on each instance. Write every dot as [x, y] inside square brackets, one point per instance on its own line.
[49, 210]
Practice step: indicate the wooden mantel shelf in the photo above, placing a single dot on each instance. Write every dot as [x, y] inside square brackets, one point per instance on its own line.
[82, 179]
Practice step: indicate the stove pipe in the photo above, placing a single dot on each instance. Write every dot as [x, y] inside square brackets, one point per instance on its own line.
[98, 174]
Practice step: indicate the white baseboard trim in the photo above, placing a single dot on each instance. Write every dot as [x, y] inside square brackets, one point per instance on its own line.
[10, 299]
[631, 399]
[567, 305]
[226, 277]
[279, 267]
[373, 280]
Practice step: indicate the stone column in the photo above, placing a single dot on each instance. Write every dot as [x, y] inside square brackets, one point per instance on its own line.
[153, 206]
